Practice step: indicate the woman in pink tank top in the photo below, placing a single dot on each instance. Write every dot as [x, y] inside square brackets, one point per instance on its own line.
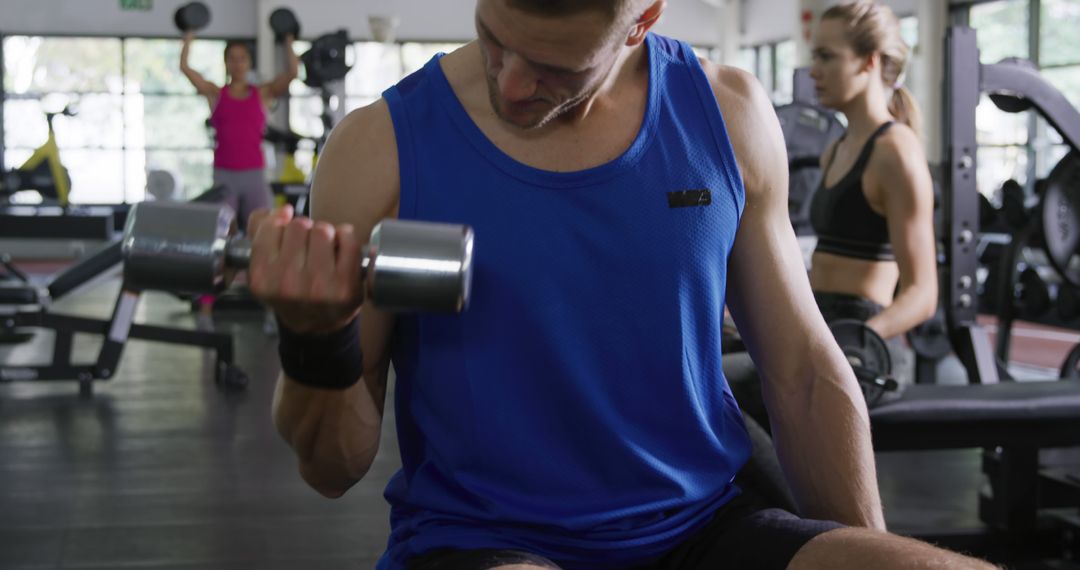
[238, 115]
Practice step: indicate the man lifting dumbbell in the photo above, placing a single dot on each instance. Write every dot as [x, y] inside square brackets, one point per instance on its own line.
[576, 415]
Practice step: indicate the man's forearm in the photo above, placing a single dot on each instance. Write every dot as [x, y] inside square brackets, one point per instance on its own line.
[821, 430]
[335, 433]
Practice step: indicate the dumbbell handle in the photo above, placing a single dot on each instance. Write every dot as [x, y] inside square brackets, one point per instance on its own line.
[238, 255]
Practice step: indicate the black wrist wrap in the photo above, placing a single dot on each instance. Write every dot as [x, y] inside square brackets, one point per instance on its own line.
[331, 361]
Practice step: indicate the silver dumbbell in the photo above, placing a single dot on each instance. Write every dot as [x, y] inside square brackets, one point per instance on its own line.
[190, 248]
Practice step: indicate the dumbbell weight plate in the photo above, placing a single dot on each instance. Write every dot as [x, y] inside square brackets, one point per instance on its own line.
[283, 22]
[420, 266]
[868, 355]
[177, 247]
[192, 16]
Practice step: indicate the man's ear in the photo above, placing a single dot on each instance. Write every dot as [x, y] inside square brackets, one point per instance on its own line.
[645, 22]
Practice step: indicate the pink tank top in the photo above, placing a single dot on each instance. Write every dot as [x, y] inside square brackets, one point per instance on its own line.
[239, 126]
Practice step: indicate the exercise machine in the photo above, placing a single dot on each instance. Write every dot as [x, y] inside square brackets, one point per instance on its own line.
[42, 172]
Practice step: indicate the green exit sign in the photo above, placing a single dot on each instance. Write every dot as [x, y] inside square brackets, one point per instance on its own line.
[144, 5]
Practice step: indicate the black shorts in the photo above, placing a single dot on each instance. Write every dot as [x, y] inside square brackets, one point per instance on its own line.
[743, 534]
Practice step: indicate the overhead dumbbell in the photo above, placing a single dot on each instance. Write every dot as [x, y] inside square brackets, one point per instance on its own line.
[283, 22]
[190, 248]
[192, 17]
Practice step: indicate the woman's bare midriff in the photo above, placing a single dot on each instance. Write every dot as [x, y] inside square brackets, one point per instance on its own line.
[874, 280]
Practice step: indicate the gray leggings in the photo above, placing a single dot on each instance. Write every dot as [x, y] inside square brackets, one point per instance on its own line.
[245, 191]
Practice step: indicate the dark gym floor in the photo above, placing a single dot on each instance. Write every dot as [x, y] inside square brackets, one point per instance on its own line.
[160, 469]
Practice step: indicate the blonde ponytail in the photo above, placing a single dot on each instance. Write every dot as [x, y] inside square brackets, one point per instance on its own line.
[903, 108]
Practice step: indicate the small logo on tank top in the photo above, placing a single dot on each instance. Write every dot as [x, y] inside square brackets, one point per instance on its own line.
[689, 198]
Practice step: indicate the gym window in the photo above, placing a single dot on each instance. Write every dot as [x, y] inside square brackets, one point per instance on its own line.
[135, 110]
[1021, 146]
[773, 64]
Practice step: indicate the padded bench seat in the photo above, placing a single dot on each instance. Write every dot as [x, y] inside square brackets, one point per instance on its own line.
[1027, 414]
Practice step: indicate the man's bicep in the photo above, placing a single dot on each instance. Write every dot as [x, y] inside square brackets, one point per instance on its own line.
[357, 180]
[769, 292]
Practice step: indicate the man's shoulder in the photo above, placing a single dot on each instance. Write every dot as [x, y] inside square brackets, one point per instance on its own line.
[366, 127]
[750, 121]
[733, 86]
[358, 168]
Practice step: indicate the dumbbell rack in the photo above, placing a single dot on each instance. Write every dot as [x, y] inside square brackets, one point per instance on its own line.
[116, 331]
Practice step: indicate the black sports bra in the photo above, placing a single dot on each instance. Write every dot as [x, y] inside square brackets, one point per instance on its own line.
[842, 218]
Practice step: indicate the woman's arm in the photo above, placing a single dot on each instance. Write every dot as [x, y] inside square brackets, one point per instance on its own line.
[279, 86]
[899, 164]
[204, 87]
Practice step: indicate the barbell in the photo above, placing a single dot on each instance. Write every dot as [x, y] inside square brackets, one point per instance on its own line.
[191, 248]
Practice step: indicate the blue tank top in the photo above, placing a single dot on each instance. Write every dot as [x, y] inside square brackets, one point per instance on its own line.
[578, 408]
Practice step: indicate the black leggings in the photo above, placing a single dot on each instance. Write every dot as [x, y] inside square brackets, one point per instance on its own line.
[835, 306]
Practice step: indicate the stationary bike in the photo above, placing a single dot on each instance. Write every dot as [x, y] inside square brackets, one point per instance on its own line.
[43, 171]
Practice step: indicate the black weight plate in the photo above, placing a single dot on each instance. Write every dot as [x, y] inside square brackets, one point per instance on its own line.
[283, 21]
[869, 357]
[192, 16]
[1061, 217]
[862, 346]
